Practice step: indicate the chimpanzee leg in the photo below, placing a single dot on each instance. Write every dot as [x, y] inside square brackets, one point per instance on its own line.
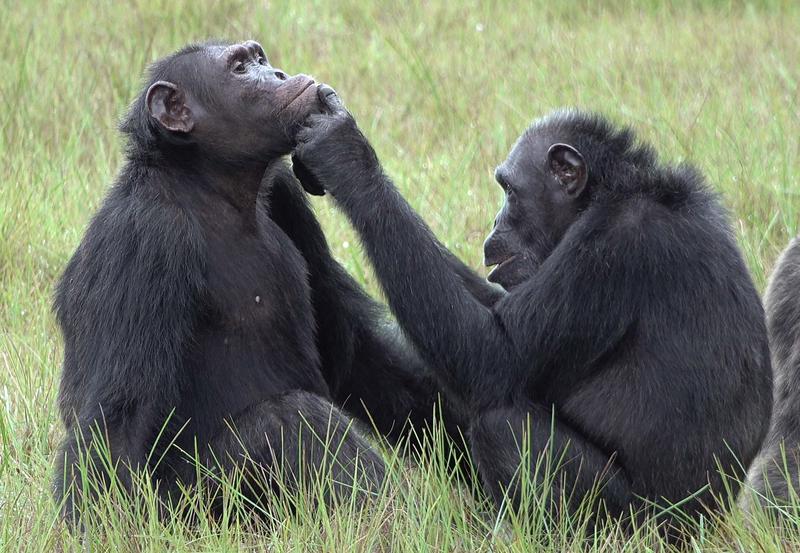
[557, 456]
[293, 442]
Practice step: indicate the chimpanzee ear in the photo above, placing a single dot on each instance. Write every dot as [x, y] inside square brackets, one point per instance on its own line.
[166, 103]
[567, 165]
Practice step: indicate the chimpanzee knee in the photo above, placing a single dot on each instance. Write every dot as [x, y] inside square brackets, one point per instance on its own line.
[296, 442]
[529, 450]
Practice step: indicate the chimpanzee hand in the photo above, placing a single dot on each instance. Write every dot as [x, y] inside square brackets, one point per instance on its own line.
[330, 147]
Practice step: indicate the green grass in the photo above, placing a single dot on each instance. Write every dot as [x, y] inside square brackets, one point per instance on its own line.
[442, 89]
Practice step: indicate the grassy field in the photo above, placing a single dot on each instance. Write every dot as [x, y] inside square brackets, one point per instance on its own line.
[442, 89]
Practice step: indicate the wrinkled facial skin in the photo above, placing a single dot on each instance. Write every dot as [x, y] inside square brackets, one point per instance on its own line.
[536, 213]
[247, 109]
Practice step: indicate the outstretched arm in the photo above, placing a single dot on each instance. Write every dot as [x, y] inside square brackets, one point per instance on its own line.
[126, 306]
[481, 289]
[458, 335]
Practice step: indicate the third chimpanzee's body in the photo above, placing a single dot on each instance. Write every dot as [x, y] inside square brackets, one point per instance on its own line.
[203, 296]
[631, 338]
[774, 477]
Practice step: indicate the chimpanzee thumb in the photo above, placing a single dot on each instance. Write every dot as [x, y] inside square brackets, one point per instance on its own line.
[330, 99]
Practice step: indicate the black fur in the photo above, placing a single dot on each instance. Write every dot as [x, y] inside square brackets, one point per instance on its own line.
[630, 315]
[202, 297]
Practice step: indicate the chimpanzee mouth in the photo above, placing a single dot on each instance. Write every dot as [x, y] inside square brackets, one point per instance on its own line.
[311, 82]
[498, 265]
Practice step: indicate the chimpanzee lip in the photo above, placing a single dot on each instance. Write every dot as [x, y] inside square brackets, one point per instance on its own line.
[309, 84]
[492, 262]
[498, 266]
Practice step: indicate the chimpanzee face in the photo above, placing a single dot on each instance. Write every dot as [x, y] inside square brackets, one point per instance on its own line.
[543, 181]
[232, 103]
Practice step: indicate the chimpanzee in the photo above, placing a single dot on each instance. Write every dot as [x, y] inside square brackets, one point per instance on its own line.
[630, 343]
[774, 475]
[203, 315]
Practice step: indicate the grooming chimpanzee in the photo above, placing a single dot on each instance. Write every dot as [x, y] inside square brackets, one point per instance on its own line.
[630, 321]
[202, 297]
[774, 475]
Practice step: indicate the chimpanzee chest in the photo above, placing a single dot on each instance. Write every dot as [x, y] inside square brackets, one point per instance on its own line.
[257, 334]
[261, 285]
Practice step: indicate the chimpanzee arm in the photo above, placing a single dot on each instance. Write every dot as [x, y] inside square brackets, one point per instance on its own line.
[582, 301]
[469, 345]
[126, 305]
[370, 368]
[455, 333]
[482, 290]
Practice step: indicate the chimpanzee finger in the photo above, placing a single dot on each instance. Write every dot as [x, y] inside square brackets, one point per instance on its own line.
[304, 135]
[329, 99]
[307, 179]
[311, 127]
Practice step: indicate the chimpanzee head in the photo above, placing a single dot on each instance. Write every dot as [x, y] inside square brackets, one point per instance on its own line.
[224, 101]
[560, 166]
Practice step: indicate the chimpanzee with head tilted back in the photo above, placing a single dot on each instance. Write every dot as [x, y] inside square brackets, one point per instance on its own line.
[630, 345]
[203, 315]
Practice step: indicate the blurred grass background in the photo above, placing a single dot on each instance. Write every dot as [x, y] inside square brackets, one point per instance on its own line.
[442, 89]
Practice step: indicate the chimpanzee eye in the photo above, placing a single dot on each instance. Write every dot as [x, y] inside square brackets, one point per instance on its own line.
[239, 67]
[262, 60]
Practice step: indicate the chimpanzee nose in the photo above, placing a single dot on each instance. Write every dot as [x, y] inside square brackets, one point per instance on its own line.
[280, 75]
